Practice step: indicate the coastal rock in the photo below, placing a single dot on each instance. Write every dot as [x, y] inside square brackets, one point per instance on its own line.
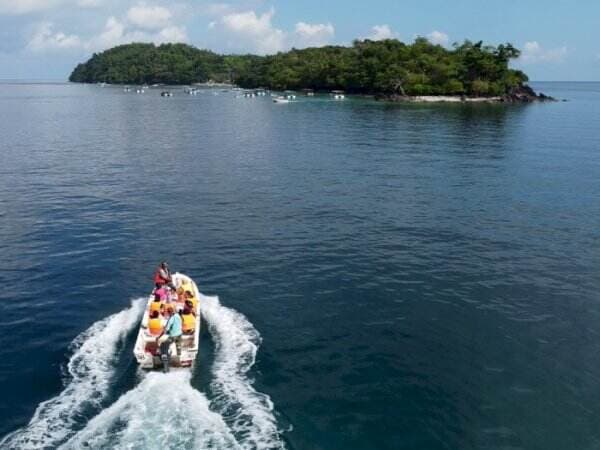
[525, 94]
[520, 94]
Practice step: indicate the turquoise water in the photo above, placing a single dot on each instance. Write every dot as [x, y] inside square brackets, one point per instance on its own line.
[388, 276]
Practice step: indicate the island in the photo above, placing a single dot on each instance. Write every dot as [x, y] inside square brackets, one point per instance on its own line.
[387, 69]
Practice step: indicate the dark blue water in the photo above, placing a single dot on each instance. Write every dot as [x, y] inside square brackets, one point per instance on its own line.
[413, 276]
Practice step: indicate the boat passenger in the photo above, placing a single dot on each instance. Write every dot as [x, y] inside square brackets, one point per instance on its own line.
[155, 324]
[162, 276]
[189, 308]
[163, 311]
[175, 305]
[162, 294]
[190, 297]
[184, 286]
[182, 289]
[172, 331]
[188, 322]
[156, 305]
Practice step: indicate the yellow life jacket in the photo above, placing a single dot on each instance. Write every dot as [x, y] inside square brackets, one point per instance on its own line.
[187, 286]
[194, 301]
[155, 326]
[155, 306]
[188, 322]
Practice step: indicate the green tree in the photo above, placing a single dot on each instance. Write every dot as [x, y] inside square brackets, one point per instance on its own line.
[366, 67]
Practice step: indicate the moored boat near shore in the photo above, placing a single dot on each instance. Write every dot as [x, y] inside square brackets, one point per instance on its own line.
[281, 99]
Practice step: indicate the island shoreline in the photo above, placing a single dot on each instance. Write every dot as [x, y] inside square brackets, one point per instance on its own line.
[525, 95]
[389, 70]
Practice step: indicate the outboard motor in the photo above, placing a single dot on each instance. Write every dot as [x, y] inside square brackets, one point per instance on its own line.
[164, 355]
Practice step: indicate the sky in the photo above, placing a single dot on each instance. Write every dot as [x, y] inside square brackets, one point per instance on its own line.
[45, 39]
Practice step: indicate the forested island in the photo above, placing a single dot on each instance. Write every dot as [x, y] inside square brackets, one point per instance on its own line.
[387, 69]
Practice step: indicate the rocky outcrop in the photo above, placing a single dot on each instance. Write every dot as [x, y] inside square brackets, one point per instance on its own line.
[520, 94]
[525, 94]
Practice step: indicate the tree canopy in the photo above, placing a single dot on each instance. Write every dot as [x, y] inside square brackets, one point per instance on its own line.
[365, 67]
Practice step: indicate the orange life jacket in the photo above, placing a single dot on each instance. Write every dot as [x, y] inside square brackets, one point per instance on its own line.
[158, 279]
[188, 322]
[155, 326]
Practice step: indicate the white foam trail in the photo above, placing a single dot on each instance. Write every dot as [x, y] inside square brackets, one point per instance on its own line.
[163, 412]
[247, 412]
[90, 368]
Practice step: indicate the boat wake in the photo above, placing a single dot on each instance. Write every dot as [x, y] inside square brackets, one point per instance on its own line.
[163, 411]
[246, 411]
[90, 369]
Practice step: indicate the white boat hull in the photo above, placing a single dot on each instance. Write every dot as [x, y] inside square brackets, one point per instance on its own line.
[146, 350]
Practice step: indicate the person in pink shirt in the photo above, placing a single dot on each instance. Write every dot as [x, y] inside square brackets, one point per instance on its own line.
[162, 293]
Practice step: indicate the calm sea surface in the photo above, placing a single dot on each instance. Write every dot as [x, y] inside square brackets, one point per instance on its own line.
[389, 276]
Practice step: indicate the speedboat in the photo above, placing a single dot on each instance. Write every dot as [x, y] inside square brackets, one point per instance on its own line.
[281, 99]
[146, 350]
[338, 95]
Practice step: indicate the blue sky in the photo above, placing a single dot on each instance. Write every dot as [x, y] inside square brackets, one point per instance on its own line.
[44, 39]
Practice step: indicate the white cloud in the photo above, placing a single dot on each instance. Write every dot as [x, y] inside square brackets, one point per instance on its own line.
[171, 34]
[249, 22]
[45, 38]
[117, 33]
[314, 35]
[149, 17]
[533, 52]
[255, 32]
[112, 35]
[438, 38]
[18, 7]
[259, 30]
[381, 32]
[14, 7]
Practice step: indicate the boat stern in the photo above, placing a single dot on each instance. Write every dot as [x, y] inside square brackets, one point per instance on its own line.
[145, 359]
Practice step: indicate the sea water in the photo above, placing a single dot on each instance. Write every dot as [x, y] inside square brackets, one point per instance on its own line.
[388, 276]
